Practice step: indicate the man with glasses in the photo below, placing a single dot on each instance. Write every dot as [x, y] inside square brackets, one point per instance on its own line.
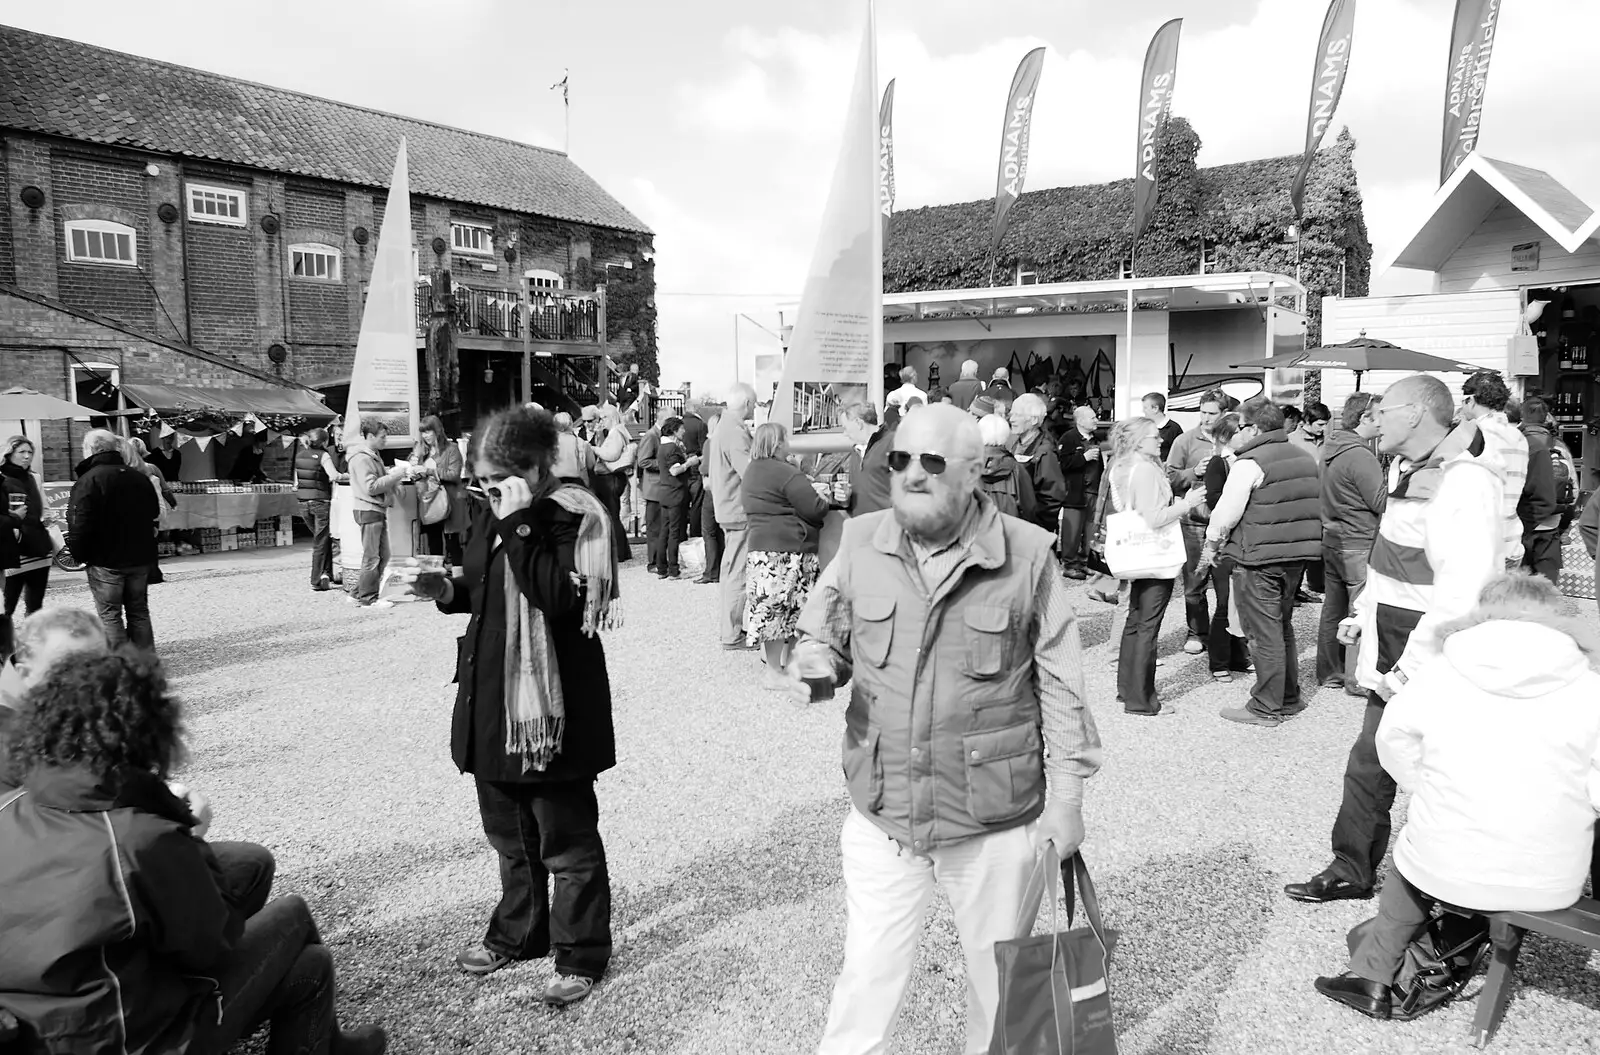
[1187, 460]
[953, 627]
[1268, 521]
[1353, 497]
[1438, 543]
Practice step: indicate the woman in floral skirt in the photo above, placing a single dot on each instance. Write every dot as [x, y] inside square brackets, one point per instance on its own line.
[785, 515]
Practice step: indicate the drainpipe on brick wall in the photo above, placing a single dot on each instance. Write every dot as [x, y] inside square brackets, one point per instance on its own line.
[183, 242]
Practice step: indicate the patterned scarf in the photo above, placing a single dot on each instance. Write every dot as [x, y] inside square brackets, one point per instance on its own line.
[535, 708]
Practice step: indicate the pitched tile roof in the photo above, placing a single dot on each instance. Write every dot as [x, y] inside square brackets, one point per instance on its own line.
[60, 87]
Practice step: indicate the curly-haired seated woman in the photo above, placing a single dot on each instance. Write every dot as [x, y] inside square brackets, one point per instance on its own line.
[115, 935]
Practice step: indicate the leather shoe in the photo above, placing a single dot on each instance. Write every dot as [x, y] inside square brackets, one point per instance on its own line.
[368, 1040]
[702, 581]
[1351, 990]
[1075, 572]
[1326, 886]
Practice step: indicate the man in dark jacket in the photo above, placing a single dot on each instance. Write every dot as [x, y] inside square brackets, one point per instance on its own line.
[648, 468]
[111, 527]
[1037, 454]
[1269, 522]
[869, 462]
[1353, 497]
[693, 437]
[1081, 465]
[1539, 510]
[1186, 460]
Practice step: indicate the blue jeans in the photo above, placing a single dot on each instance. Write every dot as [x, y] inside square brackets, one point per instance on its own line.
[1265, 599]
[317, 519]
[374, 553]
[124, 590]
[1344, 573]
[278, 973]
[1194, 586]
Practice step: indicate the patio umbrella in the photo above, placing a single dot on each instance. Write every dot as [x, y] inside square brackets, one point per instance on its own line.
[1360, 355]
[27, 405]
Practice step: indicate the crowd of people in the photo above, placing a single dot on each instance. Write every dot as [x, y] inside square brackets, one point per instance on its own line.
[930, 571]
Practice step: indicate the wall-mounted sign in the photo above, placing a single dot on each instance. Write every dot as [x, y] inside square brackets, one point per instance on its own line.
[1525, 257]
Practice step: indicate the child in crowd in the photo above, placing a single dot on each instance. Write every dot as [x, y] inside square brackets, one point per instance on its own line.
[116, 930]
[1502, 756]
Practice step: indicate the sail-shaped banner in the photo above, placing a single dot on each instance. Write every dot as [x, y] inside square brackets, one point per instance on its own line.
[383, 382]
[1014, 135]
[1327, 84]
[886, 156]
[1155, 106]
[837, 343]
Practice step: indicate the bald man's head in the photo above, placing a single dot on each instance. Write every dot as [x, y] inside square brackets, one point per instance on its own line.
[1414, 416]
[939, 454]
[741, 401]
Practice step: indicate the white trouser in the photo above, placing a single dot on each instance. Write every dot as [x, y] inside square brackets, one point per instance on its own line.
[887, 891]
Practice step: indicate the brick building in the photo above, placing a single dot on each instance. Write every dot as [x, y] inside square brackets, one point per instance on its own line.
[160, 224]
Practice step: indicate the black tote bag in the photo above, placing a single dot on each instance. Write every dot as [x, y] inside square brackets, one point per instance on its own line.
[1055, 989]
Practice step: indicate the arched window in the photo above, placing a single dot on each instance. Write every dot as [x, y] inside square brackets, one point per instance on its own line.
[542, 278]
[102, 242]
[316, 261]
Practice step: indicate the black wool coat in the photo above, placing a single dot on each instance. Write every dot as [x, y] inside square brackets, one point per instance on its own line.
[1082, 475]
[538, 543]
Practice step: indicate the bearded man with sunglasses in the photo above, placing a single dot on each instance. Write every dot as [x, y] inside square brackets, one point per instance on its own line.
[952, 624]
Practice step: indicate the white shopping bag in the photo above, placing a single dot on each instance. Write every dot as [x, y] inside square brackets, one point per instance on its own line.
[692, 556]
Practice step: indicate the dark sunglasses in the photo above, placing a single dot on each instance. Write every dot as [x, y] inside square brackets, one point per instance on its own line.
[932, 464]
[486, 490]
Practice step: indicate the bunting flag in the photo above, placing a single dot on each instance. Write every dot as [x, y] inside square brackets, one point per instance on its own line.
[287, 440]
[1014, 142]
[1471, 48]
[202, 442]
[886, 156]
[837, 342]
[1327, 84]
[1155, 106]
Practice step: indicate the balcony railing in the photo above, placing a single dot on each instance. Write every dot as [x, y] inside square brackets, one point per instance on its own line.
[554, 315]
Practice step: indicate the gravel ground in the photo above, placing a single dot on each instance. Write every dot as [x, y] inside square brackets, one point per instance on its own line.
[322, 731]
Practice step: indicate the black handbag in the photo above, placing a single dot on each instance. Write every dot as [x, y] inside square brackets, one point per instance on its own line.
[1055, 989]
[1438, 963]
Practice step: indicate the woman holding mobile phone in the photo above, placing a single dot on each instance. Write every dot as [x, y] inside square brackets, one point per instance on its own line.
[532, 718]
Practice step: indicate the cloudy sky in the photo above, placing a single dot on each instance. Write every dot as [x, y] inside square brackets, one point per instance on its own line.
[717, 121]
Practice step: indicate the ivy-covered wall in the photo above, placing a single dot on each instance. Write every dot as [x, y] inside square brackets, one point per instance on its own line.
[630, 302]
[1084, 233]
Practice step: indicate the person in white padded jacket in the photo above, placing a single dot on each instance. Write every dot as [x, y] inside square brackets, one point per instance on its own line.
[1498, 740]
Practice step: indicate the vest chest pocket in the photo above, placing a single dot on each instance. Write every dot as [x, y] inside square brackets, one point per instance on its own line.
[1005, 772]
[873, 632]
[986, 634]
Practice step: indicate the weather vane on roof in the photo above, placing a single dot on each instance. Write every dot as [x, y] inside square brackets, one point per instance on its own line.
[566, 109]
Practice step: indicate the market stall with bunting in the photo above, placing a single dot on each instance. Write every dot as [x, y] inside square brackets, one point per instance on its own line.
[193, 431]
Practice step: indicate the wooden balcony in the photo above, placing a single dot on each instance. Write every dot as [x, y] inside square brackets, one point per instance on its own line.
[555, 316]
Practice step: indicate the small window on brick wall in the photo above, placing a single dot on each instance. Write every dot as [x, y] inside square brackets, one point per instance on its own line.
[314, 260]
[472, 238]
[217, 205]
[102, 242]
[540, 278]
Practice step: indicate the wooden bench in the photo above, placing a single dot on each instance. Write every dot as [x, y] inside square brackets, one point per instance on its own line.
[1579, 925]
